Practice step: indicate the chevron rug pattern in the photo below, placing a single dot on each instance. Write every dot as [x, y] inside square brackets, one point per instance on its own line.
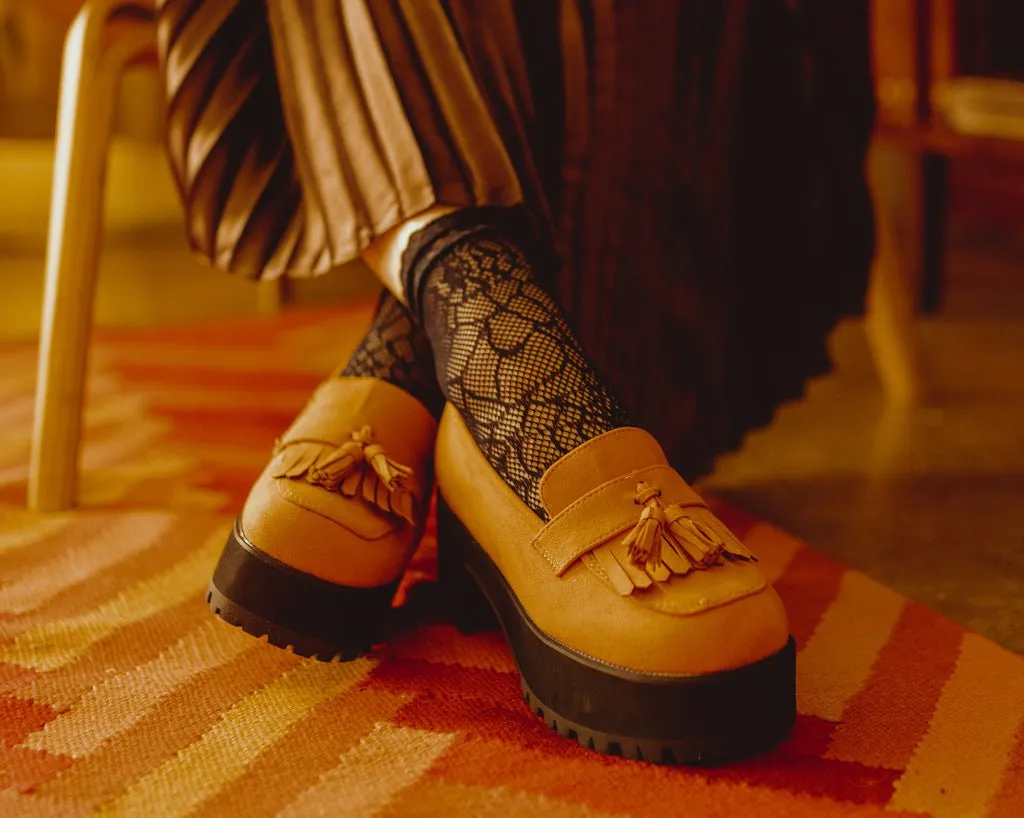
[121, 695]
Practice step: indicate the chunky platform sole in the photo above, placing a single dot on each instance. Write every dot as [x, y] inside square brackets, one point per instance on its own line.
[293, 609]
[662, 719]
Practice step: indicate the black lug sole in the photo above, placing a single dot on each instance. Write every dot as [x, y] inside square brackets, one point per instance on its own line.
[295, 610]
[705, 719]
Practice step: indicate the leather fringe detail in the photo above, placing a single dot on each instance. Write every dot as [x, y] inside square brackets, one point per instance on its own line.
[643, 543]
[666, 541]
[358, 467]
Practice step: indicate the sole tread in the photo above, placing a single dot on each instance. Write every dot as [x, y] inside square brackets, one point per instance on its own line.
[271, 634]
[295, 611]
[647, 752]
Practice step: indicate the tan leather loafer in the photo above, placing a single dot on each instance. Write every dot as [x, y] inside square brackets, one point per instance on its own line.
[641, 626]
[332, 522]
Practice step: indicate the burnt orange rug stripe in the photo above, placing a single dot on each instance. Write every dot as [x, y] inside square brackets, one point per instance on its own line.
[775, 549]
[23, 769]
[812, 776]
[431, 796]
[121, 695]
[226, 379]
[738, 520]
[628, 787]
[250, 331]
[807, 587]
[861, 618]
[460, 699]
[886, 720]
[1010, 798]
[13, 677]
[443, 644]
[810, 736]
[482, 719]
[450, 681]
[252, 430]
[485, 718]
[20, 717]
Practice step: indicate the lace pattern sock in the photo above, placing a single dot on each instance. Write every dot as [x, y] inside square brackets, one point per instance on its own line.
[507, 360]
[397, 351]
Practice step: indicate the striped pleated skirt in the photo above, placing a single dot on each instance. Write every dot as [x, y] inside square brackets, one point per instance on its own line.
[697, 165]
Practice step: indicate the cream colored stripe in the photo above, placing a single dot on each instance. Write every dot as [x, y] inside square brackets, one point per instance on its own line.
[372, 773]
[54, 644]
[126, 535]
[199, 771]
[136, 434]
[959, 764]
[115, 405]
[9, 475]
[115, 439]
[15, 412]
[109, 486]
[112, 707]
[19, 411]
[837, 659]
[20, 530]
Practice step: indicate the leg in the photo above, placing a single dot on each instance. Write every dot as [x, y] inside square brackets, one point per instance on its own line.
[90, 73]
[272, 295]
[934, 192]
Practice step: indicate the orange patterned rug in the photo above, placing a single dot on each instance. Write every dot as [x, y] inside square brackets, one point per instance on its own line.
[120, 693]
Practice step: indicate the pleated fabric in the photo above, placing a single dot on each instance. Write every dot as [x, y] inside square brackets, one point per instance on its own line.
[697, 164]
[230, 153]
[371, 112]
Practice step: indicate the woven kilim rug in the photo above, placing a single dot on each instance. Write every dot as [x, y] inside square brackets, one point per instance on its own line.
[120, 693]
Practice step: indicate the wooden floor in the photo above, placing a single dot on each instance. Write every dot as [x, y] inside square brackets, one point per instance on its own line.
[929, 499]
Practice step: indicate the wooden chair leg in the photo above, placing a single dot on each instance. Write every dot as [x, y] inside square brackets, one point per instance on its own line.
[891, 311]
[272, 295]
[934, 194]
[106, 36]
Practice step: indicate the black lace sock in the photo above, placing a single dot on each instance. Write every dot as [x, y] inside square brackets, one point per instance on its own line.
[397, 351]
[507, 360]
